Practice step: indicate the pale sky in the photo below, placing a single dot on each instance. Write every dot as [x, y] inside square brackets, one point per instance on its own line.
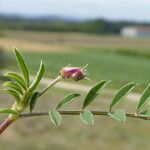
[111, 9]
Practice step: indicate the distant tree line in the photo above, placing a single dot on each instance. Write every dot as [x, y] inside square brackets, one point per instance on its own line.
[102, 26]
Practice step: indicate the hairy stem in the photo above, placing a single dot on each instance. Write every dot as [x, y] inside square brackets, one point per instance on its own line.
[6, 123]
[98, 113]
[50, 85]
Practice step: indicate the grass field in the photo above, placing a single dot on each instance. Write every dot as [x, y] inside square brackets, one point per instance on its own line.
[113, 58]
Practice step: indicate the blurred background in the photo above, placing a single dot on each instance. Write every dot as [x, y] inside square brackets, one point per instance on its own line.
[113, 37]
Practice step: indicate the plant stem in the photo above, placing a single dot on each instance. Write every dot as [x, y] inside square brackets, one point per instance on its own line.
[50, 85]
[10, 120]
[7, 122]
[98, 113]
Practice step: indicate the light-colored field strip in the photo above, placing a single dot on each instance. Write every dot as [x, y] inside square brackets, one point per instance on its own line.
[26, 45]
[80, 87]
[85, 88]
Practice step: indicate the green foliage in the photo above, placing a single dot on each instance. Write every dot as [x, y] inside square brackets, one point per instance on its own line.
[20, 88]
[38, 77]
[118, 114]
[55, 117]
[14, 93]
[87, 117]
[69, 98]
[145, 113]
[17, 78]
[144, 98]
[8, 111]
[117, 67]
[33, 100]
[121, 94]
[22, 65]
[93, 92]
[26, 96]
[14, 86]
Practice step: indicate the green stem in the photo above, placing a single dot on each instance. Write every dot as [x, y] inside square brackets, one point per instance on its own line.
[98, 113]
[50, 85]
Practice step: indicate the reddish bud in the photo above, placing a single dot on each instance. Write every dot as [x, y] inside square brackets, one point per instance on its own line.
[75, 73]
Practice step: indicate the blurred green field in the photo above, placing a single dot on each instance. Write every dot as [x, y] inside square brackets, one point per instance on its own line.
[121, 59]
[113, 58]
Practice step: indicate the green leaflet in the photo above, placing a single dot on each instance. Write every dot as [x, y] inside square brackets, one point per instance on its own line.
[145, 113]
[38, 77]
[8, 111]
[69, 98]
[55, 117]
[14, 93]
[87, 117]
[93, 92]
[144, 98]
[119, 115]
[14, 86]
[17, 78]
[33, 100]
[121, 94]
[22, 65]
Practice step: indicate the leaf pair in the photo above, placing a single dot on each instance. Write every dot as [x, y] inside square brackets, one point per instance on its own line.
[17, 78]
[55, 116]
[125, 90]
[16, 87]
[86, 117]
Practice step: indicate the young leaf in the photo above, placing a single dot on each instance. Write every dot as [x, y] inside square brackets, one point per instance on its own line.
[14, 86]
[38, 77]
[93, 92]
[55, 117]
[14, 93]
[22, 65]
[121, 94]
[17, 78]
[145, 113]
[87, 117]
[8, 111]
[69, 98]
[144, 98]
[119, 115]
[33, 100]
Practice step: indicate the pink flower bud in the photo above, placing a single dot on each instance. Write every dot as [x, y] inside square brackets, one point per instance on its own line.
[75, 73]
